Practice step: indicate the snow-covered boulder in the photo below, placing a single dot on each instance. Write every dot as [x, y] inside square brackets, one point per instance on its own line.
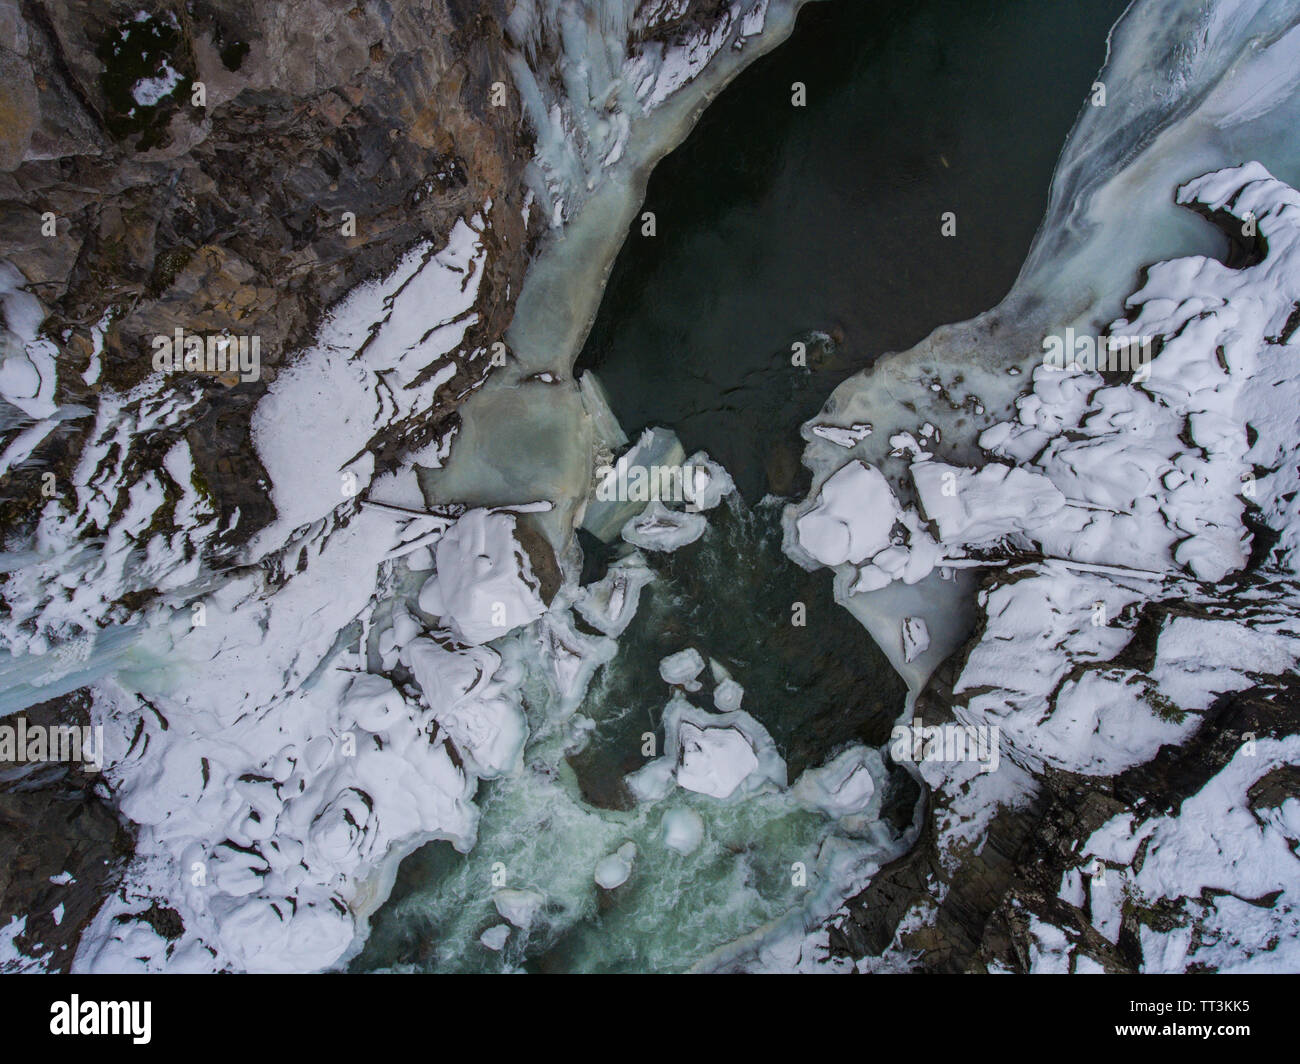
[974, 506]
[477, 707]
[484, 585]
[722, 755]
[714, 760]
[848, 785]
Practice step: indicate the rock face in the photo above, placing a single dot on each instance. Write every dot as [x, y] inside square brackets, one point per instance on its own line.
[326, 141]
[967, 911]
[62, 849]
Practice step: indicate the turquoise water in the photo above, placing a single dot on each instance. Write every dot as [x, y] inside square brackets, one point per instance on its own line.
[816, 687]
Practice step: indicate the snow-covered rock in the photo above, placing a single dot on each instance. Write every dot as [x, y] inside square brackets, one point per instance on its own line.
[916, 638]
[476, 706]
[484, 585]
[722, 755]
[682, 830]
[844, 786]
[842, 437]
[714, 760]
[974, 506]
[1211, 862]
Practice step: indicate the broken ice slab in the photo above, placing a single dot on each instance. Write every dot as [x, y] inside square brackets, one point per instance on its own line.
[607, 431]
[622, 491]
[527, 441]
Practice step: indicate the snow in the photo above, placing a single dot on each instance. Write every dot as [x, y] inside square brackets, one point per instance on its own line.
[470, 693]
[28, 374]
[1041, 674]
[282, 750]
[270, 756]
[974, 506]
[296, 788]
[379, 359]
[483, 586]
[1112, 500]
[854, 515]
[12, 959]
[148, 92]
[1215, 858]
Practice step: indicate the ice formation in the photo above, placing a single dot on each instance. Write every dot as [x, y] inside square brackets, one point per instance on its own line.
[845, 786]
[682, 668]
[613, 871]
[683, 830]
[661, 529]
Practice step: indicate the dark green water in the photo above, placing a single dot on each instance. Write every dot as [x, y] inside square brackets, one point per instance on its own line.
[773, 220]
[816, 687]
